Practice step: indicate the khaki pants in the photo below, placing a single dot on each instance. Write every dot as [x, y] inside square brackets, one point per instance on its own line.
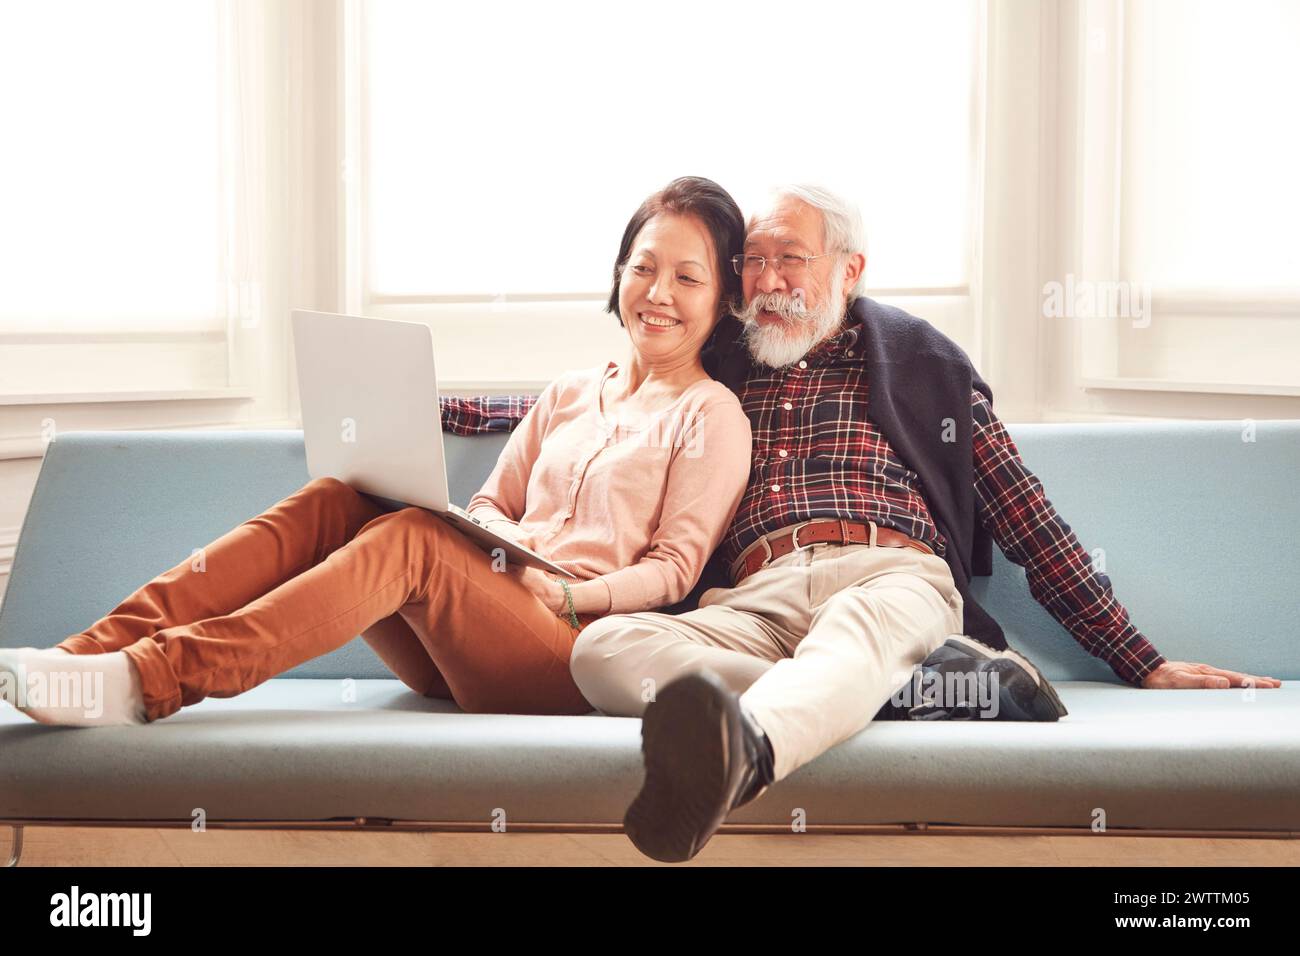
[815, 643]
[312, 572]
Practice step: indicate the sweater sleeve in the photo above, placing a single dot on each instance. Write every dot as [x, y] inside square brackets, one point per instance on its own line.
[705, 484]
[501, 502]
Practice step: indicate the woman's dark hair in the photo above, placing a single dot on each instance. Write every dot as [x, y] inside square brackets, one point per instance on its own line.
[713, 206]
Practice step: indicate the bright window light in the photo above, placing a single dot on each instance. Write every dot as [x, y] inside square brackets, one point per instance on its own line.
[508, 143]
[109, 174]
[1211, 145]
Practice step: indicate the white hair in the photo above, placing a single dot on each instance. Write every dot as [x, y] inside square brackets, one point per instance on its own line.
[842, 228]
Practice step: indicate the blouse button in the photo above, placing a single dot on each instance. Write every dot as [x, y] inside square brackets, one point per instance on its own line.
[805, 364]
[850, 353]
[776, 487]
[787, 406]
[782, 452]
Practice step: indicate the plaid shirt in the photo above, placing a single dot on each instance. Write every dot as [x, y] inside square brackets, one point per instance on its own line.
[818, 455]
[485, 413]
[838, 465]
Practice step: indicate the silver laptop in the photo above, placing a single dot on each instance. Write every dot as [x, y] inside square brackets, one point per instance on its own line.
[371, 418]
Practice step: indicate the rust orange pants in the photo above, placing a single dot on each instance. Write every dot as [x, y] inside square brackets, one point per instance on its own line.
[320, 567]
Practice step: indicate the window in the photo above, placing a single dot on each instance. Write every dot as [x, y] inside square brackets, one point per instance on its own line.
[1204, 193]
[1210, 197]
[110, 179]
[133, 217]
[497, 173]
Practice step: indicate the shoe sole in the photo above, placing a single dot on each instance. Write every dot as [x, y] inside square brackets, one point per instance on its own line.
[980, 649]
[685, 737]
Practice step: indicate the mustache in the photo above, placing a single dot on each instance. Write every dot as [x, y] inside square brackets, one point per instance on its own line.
[788, 307]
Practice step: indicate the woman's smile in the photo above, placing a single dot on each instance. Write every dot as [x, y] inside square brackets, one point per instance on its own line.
[657, 321]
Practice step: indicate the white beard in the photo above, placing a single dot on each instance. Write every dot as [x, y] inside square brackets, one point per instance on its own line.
[778, 344]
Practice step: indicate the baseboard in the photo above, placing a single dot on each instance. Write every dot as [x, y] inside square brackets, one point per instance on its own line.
[374, 824]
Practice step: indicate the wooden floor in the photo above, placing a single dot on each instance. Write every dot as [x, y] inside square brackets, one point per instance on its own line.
[103, 846]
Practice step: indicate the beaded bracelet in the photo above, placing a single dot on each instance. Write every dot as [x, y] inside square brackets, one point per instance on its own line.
[568, 596]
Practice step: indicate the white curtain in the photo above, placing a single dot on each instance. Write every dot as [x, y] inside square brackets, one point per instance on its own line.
[242, 260]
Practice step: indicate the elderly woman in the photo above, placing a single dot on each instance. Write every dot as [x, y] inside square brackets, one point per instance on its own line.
[625, 475]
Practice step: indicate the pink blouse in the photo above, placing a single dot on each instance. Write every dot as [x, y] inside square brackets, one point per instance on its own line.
[633, 506]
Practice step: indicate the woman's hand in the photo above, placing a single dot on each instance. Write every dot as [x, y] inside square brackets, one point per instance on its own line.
[542, 585]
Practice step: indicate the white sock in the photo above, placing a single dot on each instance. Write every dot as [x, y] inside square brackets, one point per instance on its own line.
[53, 686]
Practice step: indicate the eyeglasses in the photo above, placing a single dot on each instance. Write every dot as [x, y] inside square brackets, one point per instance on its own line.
[787, 265]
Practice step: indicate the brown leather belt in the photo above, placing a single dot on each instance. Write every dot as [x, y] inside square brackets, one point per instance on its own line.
[818, 531]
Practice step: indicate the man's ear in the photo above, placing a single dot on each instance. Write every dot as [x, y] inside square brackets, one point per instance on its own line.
[853, 269]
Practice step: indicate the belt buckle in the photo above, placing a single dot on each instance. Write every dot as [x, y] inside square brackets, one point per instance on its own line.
[794, 535]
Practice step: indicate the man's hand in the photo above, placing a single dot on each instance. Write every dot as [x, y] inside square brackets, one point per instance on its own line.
[1175, 674]
[541, 584]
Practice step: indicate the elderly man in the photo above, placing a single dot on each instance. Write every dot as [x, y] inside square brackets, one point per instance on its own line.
[880, 479]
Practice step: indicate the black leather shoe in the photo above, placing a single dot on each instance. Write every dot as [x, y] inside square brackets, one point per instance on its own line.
[704, 757]
[1023, 692]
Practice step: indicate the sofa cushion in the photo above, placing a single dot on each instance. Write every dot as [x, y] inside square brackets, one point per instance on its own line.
[303, 750]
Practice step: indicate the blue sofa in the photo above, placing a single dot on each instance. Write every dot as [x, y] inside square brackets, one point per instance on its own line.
[1201, 537]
